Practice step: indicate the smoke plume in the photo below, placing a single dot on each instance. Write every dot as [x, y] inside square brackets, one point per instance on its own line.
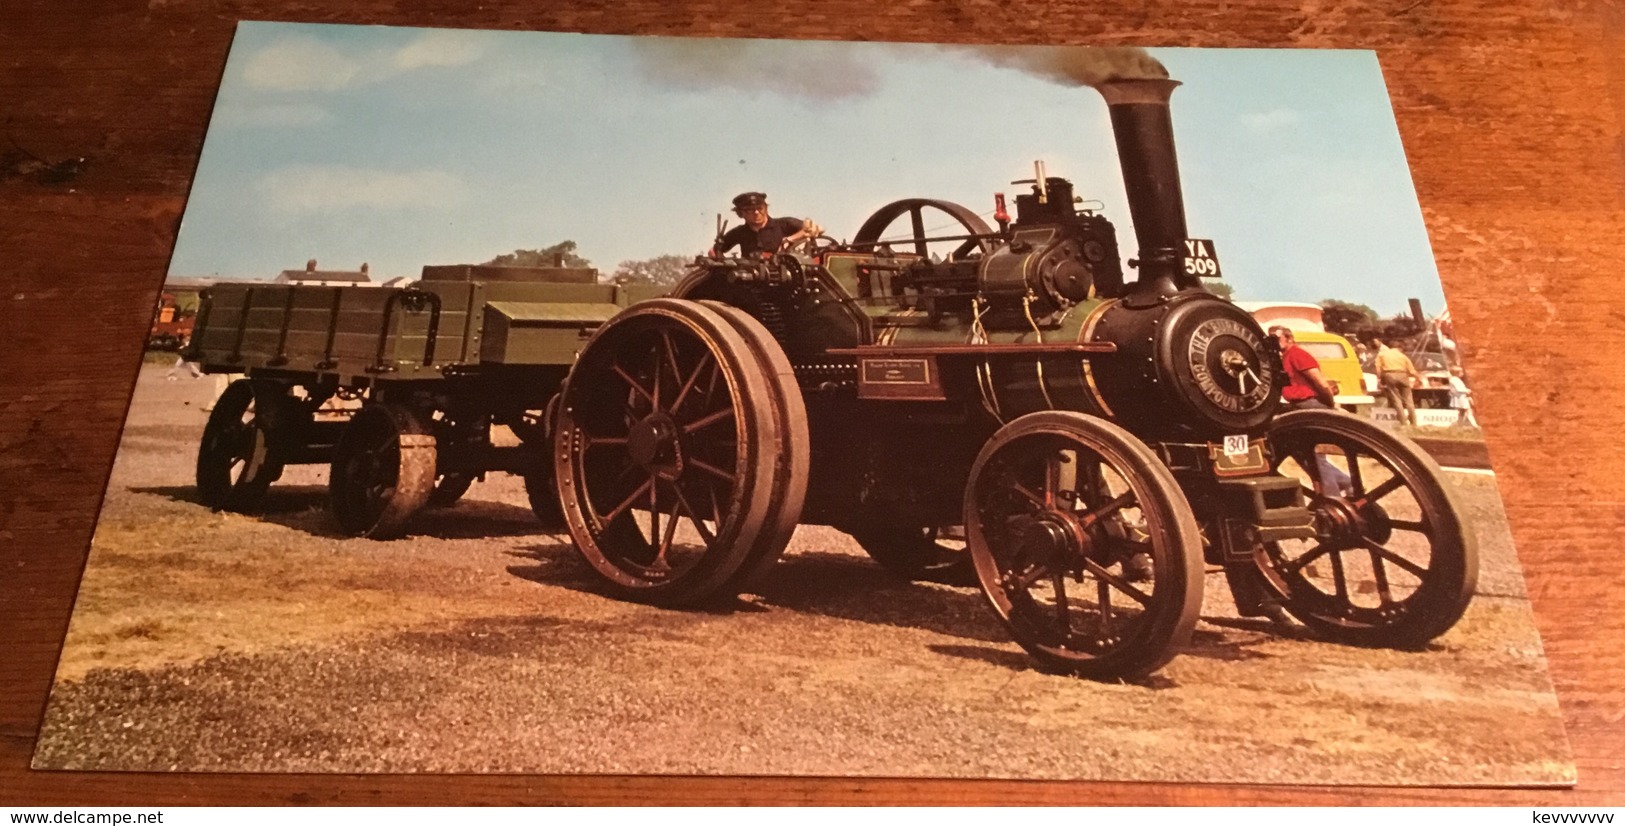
[817, 71]
[825, 71]
[1071, 65]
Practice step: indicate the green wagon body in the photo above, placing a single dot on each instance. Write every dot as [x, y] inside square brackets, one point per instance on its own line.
[455, 320]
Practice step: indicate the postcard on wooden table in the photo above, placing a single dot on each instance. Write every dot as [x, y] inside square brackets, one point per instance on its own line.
[554, 403]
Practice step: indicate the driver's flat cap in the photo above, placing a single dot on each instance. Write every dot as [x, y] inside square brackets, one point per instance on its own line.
[750, 199]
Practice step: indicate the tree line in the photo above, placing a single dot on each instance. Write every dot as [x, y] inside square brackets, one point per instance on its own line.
[1357, 322]
[661, 270]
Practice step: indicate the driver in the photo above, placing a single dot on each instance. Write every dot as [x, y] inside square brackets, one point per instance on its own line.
[761, 234]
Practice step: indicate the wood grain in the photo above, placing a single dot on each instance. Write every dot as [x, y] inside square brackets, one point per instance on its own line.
[1510, 114]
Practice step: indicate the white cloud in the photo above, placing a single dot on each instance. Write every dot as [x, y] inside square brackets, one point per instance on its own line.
[301, 65]
[1270, 121]
[519, 80]
[273, 115]
[304, 64]
[440, 48]
[315, 190]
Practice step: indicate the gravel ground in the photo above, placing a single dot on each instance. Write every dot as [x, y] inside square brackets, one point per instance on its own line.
[218, 642]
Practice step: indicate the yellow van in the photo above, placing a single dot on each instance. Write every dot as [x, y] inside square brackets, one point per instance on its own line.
[1340, 366]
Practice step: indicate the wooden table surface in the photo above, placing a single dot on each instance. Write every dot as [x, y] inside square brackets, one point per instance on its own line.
[1510, 114]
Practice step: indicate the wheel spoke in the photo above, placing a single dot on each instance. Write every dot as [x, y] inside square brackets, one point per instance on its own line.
[1339, 577]
[1052, 480]
[916, 217]
[708, 420]
[654, 510]
[711, 384]
[671, 530]
[1394, 483]
[670, 353]
[1063, 609]
[682, 501]
[627, 502]
[1027, 494]
[1301, 562]
[716, 506]
[1091, 517]
[1031, 578]
[1117, 582]
[1351, 454]
[633, 383]
[1103, 593]
[1028, 578]
[1380, 573]
[1409, 525]
[688, 384]
[1378, 550]
[712, 469]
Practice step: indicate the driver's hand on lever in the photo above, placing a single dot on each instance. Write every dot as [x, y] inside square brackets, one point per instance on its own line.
[808, 230]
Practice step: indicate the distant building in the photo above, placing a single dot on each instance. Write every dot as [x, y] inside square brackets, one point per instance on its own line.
[325, 278]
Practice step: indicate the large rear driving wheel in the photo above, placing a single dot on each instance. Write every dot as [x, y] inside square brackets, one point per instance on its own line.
[791, 448]
[665, 453]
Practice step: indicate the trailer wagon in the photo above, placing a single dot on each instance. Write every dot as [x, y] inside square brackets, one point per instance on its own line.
[438, 363]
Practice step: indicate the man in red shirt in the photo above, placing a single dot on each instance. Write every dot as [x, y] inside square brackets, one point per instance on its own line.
[1306, 387]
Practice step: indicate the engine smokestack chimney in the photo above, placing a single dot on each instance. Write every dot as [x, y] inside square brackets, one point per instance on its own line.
[1144, 130]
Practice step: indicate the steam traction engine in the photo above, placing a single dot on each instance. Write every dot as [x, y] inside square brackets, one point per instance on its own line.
[997, 405]
[1096, 441]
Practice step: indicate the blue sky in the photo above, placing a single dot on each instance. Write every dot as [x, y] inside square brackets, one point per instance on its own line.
[405, 147]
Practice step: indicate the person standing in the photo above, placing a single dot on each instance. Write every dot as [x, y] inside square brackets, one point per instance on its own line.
[1307, 389]
[183, 367]
[760, 233]
[1396, 375]
[1461, 399]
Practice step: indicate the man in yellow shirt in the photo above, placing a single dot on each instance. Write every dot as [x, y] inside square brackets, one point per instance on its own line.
[1397, 375]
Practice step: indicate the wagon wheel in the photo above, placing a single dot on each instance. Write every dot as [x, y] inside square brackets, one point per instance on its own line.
[665, 453]
[383, 471]
[239, 455]
[872, 232]
[792, 447]
[1394, 564]
[923, 553]
[448, 488]
[1057, 505]
[543, 494]
[536, 434]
